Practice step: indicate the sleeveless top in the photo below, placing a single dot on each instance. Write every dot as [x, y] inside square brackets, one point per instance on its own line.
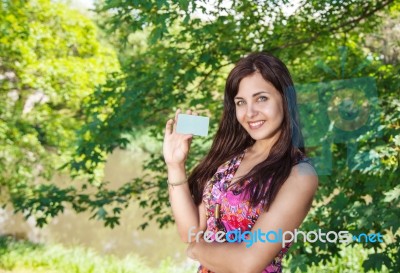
[229, 209]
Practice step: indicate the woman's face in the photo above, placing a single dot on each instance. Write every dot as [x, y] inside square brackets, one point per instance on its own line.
[259, 107]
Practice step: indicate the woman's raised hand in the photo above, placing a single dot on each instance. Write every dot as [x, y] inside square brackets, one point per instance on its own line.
[176, 146]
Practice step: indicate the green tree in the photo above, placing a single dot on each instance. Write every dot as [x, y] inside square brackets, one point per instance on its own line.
[191, 47]
[178, 53]
[51, 60]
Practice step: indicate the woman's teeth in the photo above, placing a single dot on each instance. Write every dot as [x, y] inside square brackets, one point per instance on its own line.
[257, 124]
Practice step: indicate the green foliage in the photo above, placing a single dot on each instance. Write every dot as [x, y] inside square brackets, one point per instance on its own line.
[177, 54]
[349, 260]
[50, 62]
[186, 61]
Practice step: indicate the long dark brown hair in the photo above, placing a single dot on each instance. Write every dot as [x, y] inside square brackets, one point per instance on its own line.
[232, 139]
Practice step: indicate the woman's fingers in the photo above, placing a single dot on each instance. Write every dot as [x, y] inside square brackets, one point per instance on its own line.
[178, 111]
[188, 137]
[168, 127]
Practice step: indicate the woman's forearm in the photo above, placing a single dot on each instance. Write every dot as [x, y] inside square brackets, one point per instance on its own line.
[222, 257]
[185, 212]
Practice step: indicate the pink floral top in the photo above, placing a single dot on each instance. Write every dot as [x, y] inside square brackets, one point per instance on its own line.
[235, 211]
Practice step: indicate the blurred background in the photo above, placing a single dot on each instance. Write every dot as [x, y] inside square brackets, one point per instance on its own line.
[71, 229]
[87, 86]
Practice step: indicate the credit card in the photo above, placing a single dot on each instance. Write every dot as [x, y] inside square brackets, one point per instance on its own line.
[195, 125]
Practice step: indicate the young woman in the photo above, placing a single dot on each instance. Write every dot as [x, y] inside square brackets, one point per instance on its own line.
[255, 176]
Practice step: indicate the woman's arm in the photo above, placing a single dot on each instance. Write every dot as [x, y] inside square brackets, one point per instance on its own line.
[186, 213]
[287, 212]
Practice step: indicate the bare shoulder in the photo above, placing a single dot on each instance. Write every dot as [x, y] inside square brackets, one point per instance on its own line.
[295, 197]
[303, 178]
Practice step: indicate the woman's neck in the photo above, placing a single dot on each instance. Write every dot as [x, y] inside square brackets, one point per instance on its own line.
[259, 150]
[262, 147]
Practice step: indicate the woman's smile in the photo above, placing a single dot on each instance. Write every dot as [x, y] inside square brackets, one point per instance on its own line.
[256, 124]
[258, 101]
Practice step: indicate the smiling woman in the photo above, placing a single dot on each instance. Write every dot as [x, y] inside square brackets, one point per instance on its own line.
[259, 112]
[255, 177]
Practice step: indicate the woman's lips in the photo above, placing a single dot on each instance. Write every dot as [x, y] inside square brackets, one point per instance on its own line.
[256, 124]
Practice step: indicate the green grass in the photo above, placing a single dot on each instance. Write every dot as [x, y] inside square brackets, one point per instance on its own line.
[22, 256]
[26, 257]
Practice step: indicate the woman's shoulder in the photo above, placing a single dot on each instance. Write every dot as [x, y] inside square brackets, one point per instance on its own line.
[304, 162]
[303, 175]
[304, 167]
[300, 188]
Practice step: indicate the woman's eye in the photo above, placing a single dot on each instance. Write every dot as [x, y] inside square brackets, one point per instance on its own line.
[239, 103]
[262, 98]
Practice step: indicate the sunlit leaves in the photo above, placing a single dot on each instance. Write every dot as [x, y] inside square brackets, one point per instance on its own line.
[186, 51]
[178, 54]
[50, 61]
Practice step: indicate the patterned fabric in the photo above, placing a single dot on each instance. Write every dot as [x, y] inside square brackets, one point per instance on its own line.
[234, 208]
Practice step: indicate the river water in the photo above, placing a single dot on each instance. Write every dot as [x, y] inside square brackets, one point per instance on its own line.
[69, 229]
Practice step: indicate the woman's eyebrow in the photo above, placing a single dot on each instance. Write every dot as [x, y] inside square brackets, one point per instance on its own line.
[255, 94]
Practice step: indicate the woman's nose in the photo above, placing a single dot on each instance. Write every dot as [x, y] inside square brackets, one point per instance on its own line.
[251, 111]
